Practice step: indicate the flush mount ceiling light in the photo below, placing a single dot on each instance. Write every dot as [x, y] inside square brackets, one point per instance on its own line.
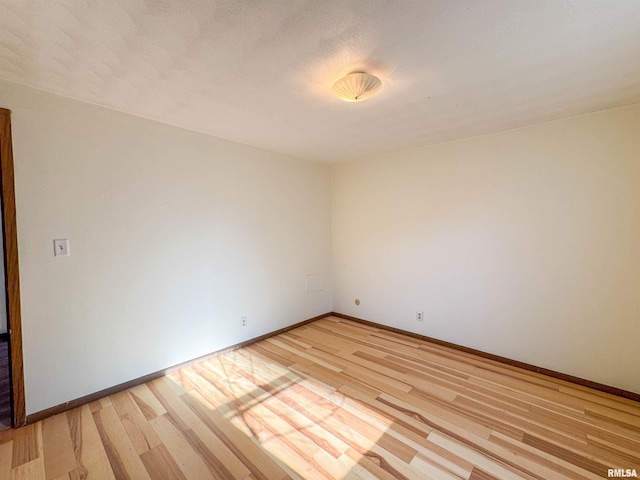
[356, 86]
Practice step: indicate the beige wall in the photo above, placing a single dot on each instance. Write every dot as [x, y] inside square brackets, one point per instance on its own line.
[524, 243]
[173, 236]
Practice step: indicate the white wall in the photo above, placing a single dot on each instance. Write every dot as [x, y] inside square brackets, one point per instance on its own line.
[173, 237]
[525, 243]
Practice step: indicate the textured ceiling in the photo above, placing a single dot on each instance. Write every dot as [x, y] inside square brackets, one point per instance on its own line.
[260, 72]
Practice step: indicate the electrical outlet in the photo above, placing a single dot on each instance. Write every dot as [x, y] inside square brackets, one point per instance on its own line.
[243, 321]
[61, 247]
[419, 316]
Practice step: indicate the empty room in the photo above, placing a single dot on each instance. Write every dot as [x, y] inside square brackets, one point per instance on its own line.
[356, 239]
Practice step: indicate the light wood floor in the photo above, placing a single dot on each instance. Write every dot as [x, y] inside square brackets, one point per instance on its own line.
[335, 399]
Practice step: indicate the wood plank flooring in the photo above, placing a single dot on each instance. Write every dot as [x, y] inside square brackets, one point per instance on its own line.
[335, 399]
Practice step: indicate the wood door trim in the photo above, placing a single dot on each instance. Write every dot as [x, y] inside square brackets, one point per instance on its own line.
[12, 276]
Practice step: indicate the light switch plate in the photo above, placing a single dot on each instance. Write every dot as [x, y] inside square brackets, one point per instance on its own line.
[61, 247]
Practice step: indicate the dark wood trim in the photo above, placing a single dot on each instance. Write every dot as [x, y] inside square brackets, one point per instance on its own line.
[78, 402]
[12, 276]
[619, 392]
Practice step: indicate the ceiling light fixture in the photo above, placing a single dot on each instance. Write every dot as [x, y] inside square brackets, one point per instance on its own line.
[356, 86]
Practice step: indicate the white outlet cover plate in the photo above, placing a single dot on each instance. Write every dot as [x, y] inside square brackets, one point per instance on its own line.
[61, 247]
